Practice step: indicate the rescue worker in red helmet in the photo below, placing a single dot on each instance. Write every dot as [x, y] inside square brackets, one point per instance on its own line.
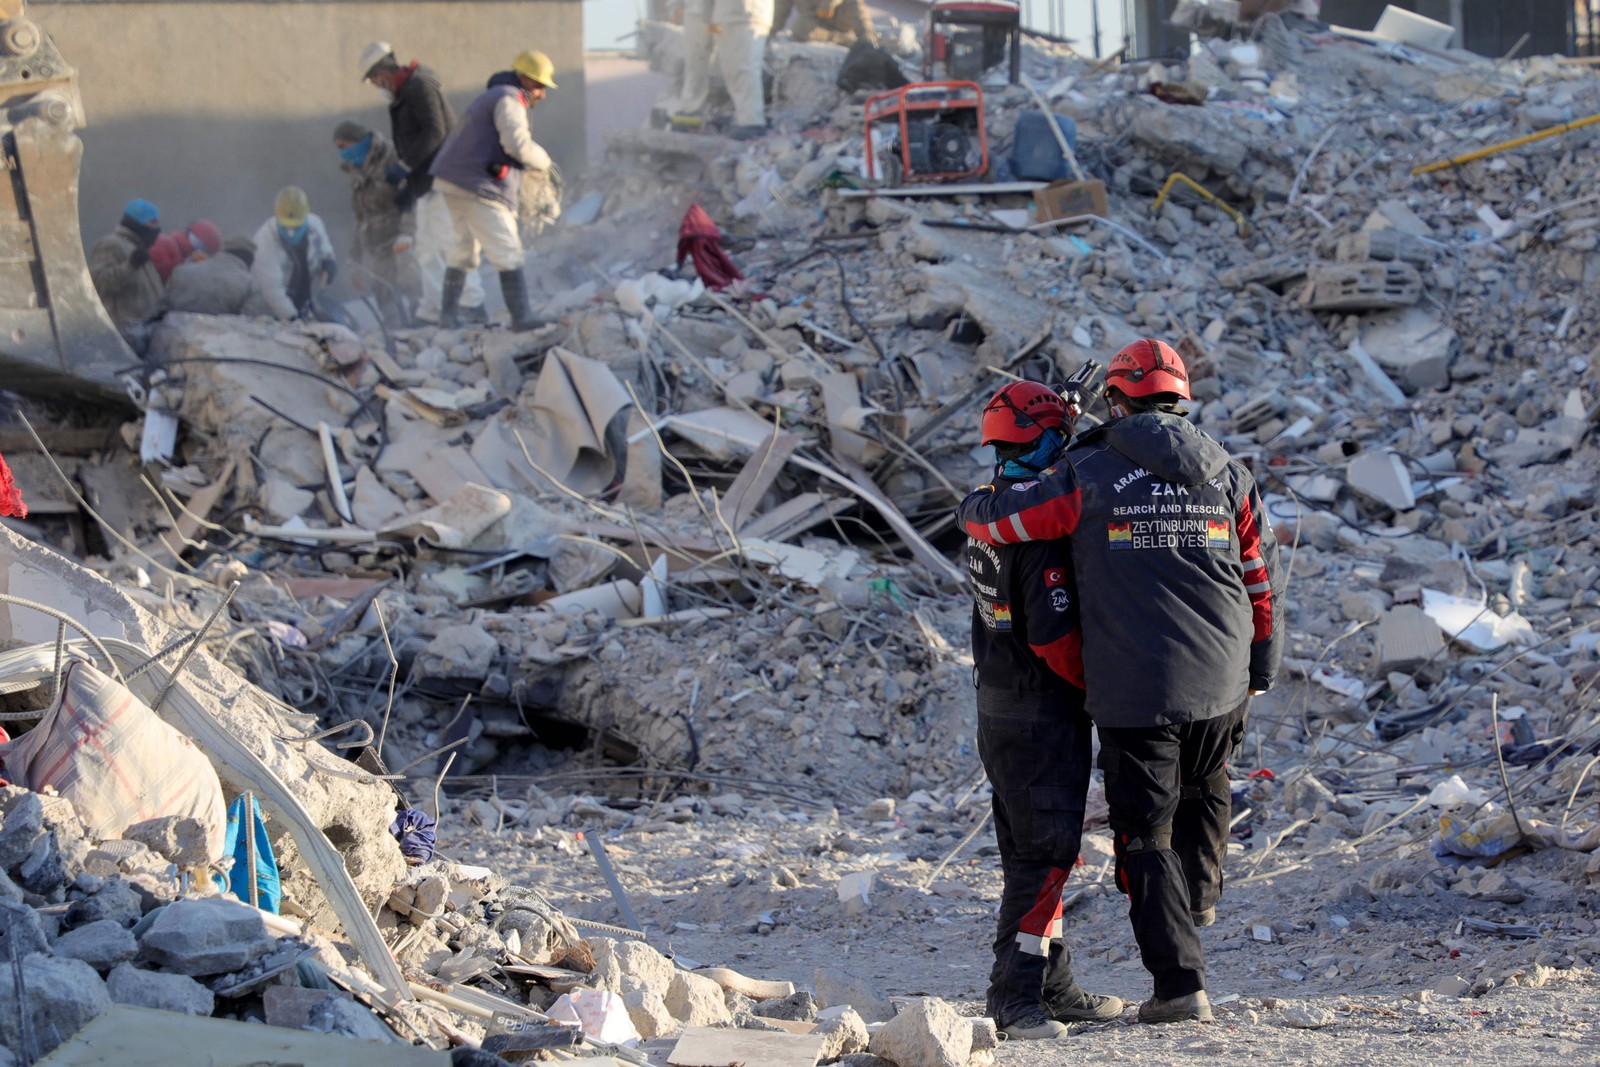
[1176, 569]
[1033, 736]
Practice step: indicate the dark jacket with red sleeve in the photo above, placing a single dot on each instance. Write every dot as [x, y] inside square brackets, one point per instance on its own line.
[1176, 567]
[1024, 617]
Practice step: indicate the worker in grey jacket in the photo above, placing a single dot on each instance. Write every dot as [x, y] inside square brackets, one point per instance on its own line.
[219, 285]
[479, 172]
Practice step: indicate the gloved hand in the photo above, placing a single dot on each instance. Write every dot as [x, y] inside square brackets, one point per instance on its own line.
[396, 173]
[328, 269]
[404, 243]
[405, 199]
[497, 171]
[138, 257]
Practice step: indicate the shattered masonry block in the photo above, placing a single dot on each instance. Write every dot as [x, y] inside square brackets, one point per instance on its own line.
[155, 989]
[1363, 286]
[1386, 245]
[696, 1000]
[1270, 272]
[835, 987]
[927, 1033]
[102, 945]
[210, 935]
[62, 995]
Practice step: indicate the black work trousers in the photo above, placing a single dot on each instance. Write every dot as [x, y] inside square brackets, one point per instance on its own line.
[1036, 750]
[1168, 792]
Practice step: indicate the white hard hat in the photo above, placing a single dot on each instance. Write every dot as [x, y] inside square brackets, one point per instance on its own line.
[372, 55]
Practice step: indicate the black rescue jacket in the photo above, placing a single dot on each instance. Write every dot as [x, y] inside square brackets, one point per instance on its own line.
[1025, 635]
[420, 118]
[1175, 563]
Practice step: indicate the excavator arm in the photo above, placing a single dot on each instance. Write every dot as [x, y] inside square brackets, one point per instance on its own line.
[55, 336]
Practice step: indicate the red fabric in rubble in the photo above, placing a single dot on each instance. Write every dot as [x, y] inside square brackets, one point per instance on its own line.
[11, 502]
[700, 240]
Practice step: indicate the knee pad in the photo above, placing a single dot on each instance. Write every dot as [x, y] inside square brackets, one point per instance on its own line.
[1156, 839]
[1213, 785]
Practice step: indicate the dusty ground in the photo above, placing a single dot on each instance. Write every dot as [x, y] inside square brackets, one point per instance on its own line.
[1362, 936]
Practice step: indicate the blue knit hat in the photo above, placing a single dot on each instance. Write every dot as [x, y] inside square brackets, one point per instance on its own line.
[141, 211]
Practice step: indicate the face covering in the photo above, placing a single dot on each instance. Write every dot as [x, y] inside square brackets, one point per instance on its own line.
[1051, 442]
[356, 154]
[293, 236]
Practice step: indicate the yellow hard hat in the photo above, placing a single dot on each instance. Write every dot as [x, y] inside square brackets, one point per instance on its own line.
[536, 65]
[291, 207]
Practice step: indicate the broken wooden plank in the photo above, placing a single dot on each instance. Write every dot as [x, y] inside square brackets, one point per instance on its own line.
[962, 189]
[126, 1034]
[756, 477]
[795, 516]
[702, 1046]
[61, 442]
[342, 588]
[197, 511]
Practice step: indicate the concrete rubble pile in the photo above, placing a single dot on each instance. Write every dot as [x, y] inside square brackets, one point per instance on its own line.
[675, 571]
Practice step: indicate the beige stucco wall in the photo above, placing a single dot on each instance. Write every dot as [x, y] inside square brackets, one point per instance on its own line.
[208, 107]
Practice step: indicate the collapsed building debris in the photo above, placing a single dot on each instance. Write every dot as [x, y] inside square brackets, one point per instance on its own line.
[674, 573]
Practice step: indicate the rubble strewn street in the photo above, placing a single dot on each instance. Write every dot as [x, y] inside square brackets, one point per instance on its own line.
[653, 607]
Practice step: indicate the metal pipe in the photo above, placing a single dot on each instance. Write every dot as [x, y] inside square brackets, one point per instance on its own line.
[1505, 146]
[610, 875]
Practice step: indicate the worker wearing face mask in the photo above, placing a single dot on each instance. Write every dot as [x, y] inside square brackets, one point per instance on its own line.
[420, 119]
[294, 259]
[365, 155]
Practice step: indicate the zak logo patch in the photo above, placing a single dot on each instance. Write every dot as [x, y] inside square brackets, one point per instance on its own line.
[1059, 600]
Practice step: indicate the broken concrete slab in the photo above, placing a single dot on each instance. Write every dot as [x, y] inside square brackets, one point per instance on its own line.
[1382, 477]
[701, 1046]
[1406, 639]
[128, 984]
[1414, 345]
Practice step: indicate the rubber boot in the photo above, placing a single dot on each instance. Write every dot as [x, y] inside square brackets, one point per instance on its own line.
[455, 280]
[514, 287]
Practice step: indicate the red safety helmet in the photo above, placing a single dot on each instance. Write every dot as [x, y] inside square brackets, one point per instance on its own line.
[206, 236]
[1146, 368]
[1020, 412]
[166, 255]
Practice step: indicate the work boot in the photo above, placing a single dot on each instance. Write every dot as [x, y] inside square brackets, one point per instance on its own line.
[1034, 1025]
[514, 287]
[1203, 917]
[1195, 1007]
[450, 298]
[1085, 1008]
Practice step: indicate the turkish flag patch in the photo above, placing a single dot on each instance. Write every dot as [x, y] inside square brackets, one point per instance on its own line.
[1055, 576]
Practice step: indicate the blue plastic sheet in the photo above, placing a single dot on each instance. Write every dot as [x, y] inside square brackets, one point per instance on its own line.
[269, 888]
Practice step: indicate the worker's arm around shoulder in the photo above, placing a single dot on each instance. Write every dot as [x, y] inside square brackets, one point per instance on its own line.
[1042, 510]
[1263, 583]
[1042, 583]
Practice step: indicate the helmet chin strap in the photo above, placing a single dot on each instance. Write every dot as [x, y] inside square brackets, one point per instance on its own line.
[1046, 452]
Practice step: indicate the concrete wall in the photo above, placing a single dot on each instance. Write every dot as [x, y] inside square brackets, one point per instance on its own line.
[208, 107]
